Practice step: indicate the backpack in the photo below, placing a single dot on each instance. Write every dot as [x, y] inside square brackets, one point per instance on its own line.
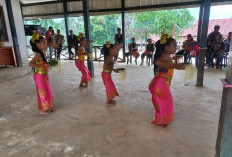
[193, 49]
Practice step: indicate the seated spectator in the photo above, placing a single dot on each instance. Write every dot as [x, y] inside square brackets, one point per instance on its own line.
[210, 40]
[148, 52]
[218, 48]
[105, 49]
[133, 50]
[185, 48]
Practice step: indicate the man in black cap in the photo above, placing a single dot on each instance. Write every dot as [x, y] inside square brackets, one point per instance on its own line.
[72, 39]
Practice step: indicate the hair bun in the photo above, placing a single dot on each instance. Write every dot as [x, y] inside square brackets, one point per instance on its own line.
[32, 43]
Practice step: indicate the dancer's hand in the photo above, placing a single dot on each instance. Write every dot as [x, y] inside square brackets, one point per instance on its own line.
[54, 45]
[179, 66]
[46, 66]
[119, 46]
[115, 70]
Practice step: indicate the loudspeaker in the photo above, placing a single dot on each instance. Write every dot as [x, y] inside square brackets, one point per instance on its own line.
[30, 28]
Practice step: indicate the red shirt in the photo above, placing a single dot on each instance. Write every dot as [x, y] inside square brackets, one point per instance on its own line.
[48, 35]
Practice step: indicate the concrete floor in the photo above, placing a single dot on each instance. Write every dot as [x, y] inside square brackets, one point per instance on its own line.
[83, 126]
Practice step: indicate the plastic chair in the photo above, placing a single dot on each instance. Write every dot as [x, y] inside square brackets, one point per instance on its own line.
[151, 60]
[224, 60]
[128, 57]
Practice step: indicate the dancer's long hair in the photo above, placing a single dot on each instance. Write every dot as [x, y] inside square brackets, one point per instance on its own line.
[159, 50]
[36, 49]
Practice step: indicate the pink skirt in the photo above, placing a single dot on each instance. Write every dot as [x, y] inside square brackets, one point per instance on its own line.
[111, 91]
[162, 100]
[86, 76]
[44, 92]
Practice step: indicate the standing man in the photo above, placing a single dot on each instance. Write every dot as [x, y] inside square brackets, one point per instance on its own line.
[53, 40]
[49, 41]
[118, 40]
[72, 39]
[59, 39]
[210, 40]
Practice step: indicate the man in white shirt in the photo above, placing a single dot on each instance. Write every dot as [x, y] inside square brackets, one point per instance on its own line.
[59, 40]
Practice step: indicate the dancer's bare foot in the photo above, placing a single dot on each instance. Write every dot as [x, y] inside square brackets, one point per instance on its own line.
[44, 112]
[83, 85]
[163, 125]
[52, 109]
[160, 125]
[111, 103]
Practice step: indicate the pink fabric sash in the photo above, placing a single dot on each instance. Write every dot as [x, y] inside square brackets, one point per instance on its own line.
[111, 91]
[162, 100]
[86, 76]
[44, 92]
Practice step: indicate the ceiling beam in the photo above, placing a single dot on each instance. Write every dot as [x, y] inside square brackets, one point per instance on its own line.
[164, 5]
[160, 6]
[47, 2]
[38, 15]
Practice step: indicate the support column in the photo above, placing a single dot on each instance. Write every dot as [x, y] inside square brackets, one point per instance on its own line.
[123, 30]
[200, 23]
[66, 18]
[13, 33]
[88, 32]
[203, 40]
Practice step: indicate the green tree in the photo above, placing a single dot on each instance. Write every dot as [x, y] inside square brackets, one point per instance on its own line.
[103, 28]
[98, 35]
[76, 24]
[156, 22]
[111, 25]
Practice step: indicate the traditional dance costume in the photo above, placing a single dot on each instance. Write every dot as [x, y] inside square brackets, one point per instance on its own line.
[111, 91]
[80, 63]
[44, 92]
[161, 96]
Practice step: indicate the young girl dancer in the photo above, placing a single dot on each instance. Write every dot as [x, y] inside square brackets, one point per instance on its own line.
[108, 67]
[86, 76]
[44, 92]
[159, 86]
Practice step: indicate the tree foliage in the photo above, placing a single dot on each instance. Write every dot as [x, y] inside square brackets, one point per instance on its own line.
[138, 25]
[156, 22]
[103, 28]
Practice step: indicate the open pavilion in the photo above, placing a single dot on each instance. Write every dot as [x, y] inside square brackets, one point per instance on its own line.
[16, 11]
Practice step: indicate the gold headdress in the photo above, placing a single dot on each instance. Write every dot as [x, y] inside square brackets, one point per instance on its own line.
[163, 38]
[35, 36]
[80, 36]
[108, 44]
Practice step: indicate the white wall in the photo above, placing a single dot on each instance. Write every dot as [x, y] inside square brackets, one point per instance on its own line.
[19, 28]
